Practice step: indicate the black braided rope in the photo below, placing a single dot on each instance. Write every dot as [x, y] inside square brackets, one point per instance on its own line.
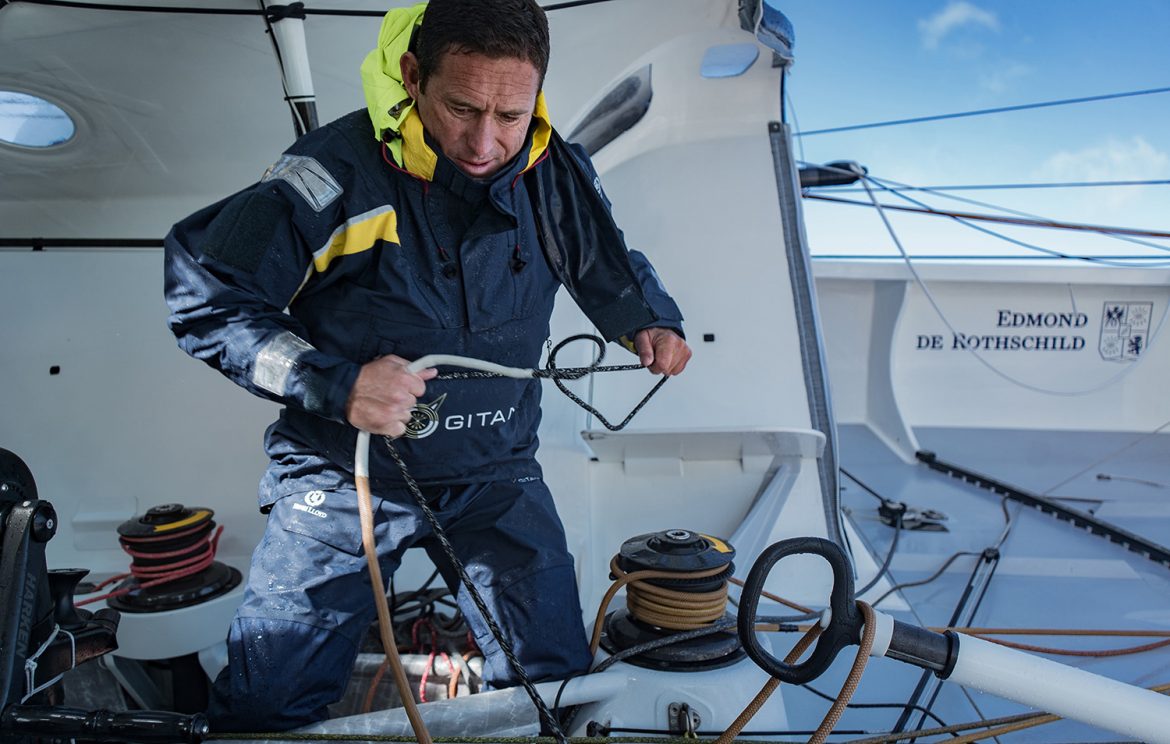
[551, 371]
[545, 714]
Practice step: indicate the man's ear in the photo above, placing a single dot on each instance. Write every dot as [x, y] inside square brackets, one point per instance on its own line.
[410, 76]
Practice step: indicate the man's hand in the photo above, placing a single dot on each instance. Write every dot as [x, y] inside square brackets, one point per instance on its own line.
[384, 394]
[662, 350]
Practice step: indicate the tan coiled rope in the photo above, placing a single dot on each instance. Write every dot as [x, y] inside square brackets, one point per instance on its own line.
[665, 605]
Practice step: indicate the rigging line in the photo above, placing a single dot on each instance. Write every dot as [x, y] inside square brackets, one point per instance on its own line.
[885, 567]
[138, 8]
[1123, 372]
[795, 122]
[939, 572]
[976, 582]
[886, 183]
[1019, 213]
[864, 487]
[1032, 246]
[1132, 261]
[992, 558]
[823, 696]
[983, 112]
[1008, 186]
[1105, 459]
[1103, 229]
[865, 180]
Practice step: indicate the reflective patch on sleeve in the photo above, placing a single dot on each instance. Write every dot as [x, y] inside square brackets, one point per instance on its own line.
[308, 177]
[275, 361]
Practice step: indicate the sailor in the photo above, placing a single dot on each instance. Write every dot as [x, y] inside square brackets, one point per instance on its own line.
[441, 219]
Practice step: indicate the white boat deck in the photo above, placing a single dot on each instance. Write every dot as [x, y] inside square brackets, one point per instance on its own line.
[1050, 574]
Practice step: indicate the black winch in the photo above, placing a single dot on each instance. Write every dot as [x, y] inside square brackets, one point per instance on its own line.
[687, 594]
[172, 550]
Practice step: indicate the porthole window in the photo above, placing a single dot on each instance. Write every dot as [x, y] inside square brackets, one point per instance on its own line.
[31, 121]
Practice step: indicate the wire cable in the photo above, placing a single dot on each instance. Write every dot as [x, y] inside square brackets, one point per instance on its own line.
[907, 584]
[1007, 186]
[983, 112]
[1104, 459]
[896, 188]
[859, 706]
[891, 185]
[1051, 224]
[865, 180]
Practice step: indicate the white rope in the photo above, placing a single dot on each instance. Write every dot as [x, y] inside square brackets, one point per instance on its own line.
[450, 360]
[361, 458]
[30, 664]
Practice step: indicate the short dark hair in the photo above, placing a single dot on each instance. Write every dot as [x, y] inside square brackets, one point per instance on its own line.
[493, 28]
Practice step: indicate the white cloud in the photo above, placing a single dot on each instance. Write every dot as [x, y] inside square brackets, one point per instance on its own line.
[1001, 78]
[1134, 159]
[955, 15]
[1116, 160]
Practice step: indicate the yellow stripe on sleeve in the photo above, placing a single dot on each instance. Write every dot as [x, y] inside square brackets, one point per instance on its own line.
[357, 235]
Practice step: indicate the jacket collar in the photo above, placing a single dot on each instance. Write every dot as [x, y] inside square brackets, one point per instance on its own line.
[392, 112]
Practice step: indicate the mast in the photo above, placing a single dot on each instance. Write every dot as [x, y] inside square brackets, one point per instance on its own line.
[286, 27]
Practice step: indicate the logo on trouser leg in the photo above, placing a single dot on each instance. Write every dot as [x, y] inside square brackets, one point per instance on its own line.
[313, 499]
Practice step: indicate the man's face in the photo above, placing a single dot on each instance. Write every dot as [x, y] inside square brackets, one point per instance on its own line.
[476, 108]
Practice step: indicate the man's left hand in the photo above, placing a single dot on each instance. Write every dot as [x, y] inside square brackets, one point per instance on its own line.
[662, 351]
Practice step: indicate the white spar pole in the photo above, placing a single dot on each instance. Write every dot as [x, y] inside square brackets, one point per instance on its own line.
[1063, 690]
[1133, 712]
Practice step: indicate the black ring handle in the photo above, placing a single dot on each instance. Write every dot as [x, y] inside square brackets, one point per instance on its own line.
[844, 626]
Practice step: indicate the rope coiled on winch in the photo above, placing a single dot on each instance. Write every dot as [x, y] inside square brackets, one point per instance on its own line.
[673, 609]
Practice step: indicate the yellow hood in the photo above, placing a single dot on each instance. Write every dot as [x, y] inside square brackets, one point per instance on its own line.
[391, 109]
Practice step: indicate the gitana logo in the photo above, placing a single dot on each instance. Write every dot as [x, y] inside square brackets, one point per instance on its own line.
[315, 498]
[424, 419]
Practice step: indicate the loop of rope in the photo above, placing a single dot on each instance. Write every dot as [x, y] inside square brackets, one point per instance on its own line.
[30, 664]
[552, 372]
[843, 697]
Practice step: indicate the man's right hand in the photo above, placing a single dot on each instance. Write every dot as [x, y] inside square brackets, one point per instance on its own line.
[384, 395]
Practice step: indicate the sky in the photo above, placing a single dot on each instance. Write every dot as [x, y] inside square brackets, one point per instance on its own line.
[861, 61]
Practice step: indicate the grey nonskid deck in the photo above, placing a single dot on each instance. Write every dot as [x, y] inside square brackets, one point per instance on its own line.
[1050, 574]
